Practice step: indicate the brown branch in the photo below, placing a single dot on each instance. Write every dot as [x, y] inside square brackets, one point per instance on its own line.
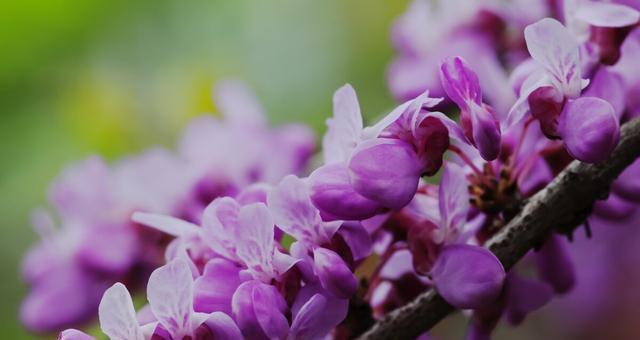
[563, 205]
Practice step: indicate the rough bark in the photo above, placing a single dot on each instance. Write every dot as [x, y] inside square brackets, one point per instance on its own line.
[563, 205]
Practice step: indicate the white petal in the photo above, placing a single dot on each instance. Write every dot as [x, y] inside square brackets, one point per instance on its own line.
[604, 14]
[344, 128]
[167, 224]
[170, 295]
[292, 208]
[117, 315]
[557, 50]
[254, 240]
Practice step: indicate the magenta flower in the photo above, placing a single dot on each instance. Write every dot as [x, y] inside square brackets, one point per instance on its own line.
[378, 168]
[478, 120]
[296, 215]
[170, 294]
[588, 126]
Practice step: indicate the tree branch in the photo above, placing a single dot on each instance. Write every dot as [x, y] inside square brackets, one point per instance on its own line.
[563, 205]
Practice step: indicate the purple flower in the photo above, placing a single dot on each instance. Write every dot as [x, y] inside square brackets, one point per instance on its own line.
[479, 121]
[294, 213]
[604, 25]
[430, 31]
[587, 125]
[383, 162]
[170, 294]
[241, 234]
[467, 276]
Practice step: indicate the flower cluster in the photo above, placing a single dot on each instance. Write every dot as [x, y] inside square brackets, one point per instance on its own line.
[97, 243]
[252, 250]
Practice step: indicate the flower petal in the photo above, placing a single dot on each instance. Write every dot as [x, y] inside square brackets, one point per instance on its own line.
[214, 289]
[344, 129]
[357, 238]
[117, 315]
[166, 224]
[255, 240]
[485, 131]
[460, 82]
[291, 206]
[386, 171]
[222, 327]
[258, 310]
[219, 225]
[556, 49]
[589, 129]
[333, 194]
[74, 334]
[604, 14]
[468, 277]
[310, 317]
[334, 274]
[170, 295]
[608, 86]
[453, 199]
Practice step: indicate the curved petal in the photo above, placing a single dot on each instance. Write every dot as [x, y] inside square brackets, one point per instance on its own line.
[333, 194]
[386, 171]
[303, 325]
[468, 277]
[170, 295]
[219, 225]
[357, 238]
[334, 274]
[608, 86]
[258, 310]
[556, 49]
[486, 131]
[310, 317]
[453, 199]
[255, 240]
[74, 334]
[117, 315]
[344, 129]
[222, 327]
[166, 224]
[589, 129]
[214, 289]
[291, 206]
[604, 14]
[460, 82]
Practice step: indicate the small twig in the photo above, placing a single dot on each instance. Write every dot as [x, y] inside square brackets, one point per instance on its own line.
[562, 206]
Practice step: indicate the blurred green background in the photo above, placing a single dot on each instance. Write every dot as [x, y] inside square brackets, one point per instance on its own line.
[113, 77]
